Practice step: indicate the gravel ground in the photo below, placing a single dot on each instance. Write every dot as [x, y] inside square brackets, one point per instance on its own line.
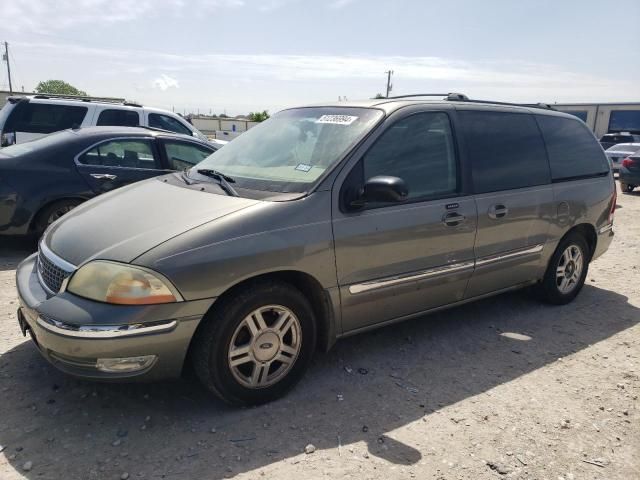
[503, 388]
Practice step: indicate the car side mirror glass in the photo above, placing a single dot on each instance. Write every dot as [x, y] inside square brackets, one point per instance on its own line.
[384, 189]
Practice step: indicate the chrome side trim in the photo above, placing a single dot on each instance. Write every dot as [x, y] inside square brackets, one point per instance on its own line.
[442, 270]
[104, 331]
[606, 228]
[506, 256]
[411, 277]
[60, 262]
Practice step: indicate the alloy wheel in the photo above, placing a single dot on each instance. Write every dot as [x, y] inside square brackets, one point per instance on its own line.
[264, 346]
[569, 269]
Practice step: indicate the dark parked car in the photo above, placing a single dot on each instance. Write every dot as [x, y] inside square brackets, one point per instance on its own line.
[630, 172]
[43, 179]
[610, 139]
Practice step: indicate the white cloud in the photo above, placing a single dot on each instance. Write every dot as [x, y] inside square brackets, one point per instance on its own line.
[165, 82]
[338, 4]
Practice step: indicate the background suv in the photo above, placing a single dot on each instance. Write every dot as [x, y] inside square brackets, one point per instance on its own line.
[25, 118]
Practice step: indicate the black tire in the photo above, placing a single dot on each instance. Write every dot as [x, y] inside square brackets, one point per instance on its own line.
[52, 212]
[629, 188]
[214, 336]
[549, 289]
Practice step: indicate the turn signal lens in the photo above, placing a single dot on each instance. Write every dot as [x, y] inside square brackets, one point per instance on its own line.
[121, 284]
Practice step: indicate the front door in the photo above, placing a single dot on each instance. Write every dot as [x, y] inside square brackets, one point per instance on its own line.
[515, 202]
[395, 260]
[115, 163]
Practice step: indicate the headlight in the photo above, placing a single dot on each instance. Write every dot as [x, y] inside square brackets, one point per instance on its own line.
[122, 284]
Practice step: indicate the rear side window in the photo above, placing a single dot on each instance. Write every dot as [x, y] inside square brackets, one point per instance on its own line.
[114, 117]
[506, 150]
[122, 153]
[420, 150]
[573, 150]
[44, 117]
[165, 122]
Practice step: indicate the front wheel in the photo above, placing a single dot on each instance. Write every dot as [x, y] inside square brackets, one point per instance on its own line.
[567, 270]
[53, 212]
[256, 344]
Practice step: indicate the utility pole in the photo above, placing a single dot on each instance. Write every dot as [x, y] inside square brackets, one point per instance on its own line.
[389, 86]
[6, 59]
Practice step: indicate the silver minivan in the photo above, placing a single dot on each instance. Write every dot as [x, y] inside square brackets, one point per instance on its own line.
[321, 222]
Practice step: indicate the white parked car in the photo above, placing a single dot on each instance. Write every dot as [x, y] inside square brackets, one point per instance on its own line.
[619, 152]
[25, 118]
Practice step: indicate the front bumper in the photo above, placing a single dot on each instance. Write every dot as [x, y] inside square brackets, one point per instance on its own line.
[73, 333]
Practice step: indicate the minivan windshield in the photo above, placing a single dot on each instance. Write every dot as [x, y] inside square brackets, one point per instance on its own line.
[291, 150]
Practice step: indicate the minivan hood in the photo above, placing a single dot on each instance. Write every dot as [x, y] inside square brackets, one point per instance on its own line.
[123, 224]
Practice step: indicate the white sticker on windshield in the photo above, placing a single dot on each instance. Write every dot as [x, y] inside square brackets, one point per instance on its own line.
[337, 119]
[303, 167]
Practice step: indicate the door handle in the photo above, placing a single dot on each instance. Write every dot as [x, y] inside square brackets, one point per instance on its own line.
[453, 219]
[103, 176]
[498, 211]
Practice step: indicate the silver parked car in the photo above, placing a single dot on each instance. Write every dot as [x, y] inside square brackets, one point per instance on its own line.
[619, 152]
[318, 223]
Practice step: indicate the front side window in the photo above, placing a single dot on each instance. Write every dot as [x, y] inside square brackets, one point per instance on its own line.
[420, 150]
[122, 153]
[290, 151]
[165, 122]
[32, 117]
[116, 117]
[506, 150]
[573, 150]
[183, 155]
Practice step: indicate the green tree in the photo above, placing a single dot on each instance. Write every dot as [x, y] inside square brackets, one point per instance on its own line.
[59, 87]
[379, 95]
[258, 116]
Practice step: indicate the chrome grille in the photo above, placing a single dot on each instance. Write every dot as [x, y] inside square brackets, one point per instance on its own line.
[51, 275]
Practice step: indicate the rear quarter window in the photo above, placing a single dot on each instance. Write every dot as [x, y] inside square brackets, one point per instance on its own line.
[573, 150]
[115, 117]
[44, 117]
[506, 150]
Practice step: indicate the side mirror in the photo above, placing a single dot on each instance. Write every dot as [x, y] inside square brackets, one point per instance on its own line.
[382, 189]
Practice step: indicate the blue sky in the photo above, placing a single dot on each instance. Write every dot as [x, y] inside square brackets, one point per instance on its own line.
[243, 55]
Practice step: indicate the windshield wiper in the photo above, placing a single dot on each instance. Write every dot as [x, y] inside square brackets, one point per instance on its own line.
[224, 180]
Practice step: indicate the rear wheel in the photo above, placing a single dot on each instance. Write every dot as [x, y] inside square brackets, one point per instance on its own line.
[255, 345]
[53, 212]
[567, 270]
[629, 188]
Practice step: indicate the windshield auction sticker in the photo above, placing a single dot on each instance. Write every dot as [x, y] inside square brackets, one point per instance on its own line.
[337, 119]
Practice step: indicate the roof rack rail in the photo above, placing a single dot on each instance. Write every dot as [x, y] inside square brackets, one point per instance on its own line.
[84, 98]
[493, 102]
[461, 97]
[448, 96]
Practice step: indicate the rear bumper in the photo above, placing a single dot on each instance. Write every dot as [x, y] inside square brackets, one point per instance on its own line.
[627, 176]
[73, 333]
[605, 237]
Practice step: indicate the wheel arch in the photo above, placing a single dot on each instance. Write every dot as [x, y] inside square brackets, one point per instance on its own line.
[587, 231]
[309, 286]
[38, 213]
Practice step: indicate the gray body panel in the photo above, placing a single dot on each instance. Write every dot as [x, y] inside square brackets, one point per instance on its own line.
[372, 266]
